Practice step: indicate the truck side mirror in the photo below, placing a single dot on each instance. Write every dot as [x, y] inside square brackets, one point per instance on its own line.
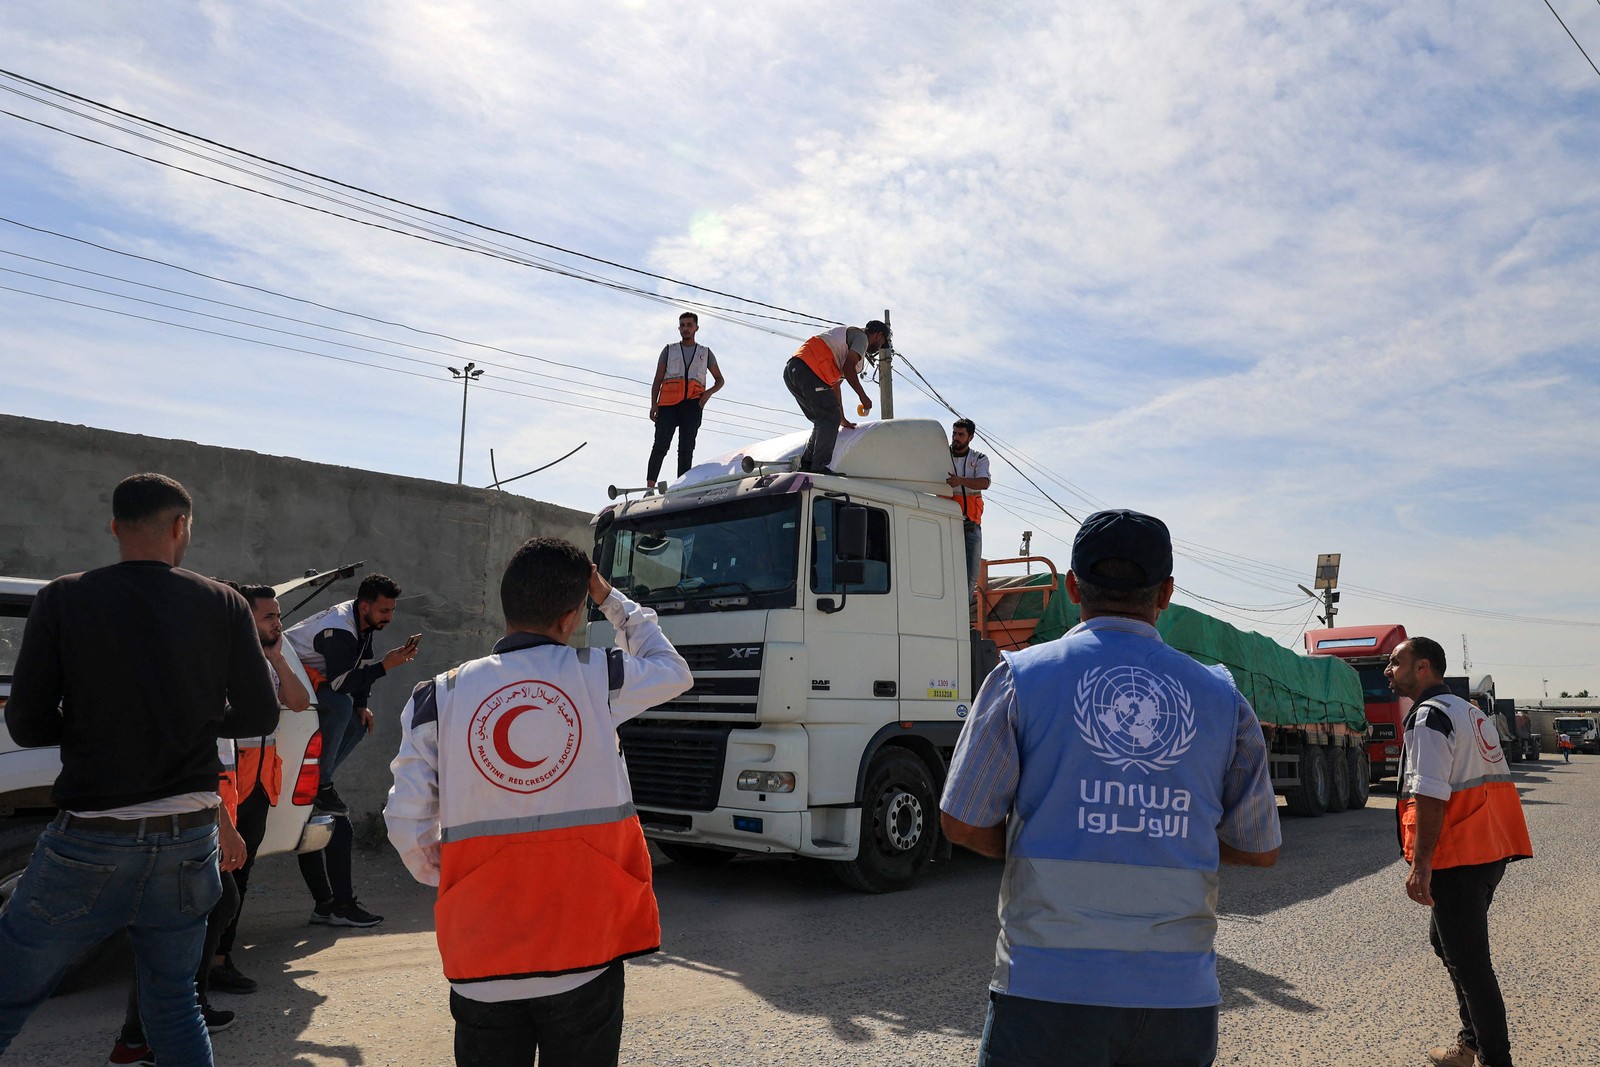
[848, 572]
[850, 534]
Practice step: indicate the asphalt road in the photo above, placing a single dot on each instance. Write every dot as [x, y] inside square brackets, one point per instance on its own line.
[1323, 961]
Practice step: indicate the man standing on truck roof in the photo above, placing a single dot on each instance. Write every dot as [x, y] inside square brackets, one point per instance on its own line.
[1112, 773]
[335, 647]
[1460, 824]
[134, 670]
[812, 376]
[260, 773]
[511, 796]
[969, 477]
[678, 396]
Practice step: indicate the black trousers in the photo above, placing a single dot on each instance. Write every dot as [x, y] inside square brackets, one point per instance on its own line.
[329, 872]
[1459, 931]
[820, 404]
[579, 1028]
[685, 419]
[252, 825]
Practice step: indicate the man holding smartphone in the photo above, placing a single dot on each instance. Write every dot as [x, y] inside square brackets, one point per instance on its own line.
[335, 647]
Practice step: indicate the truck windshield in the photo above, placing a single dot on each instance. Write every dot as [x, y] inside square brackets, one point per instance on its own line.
[729, 556]
[1574, 726]
[1374, 686]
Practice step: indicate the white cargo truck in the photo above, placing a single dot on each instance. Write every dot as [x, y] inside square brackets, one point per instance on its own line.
[826, 621]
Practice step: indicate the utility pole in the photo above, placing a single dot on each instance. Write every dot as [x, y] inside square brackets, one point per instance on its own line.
[467, 375]
[1327, 582]
[1027, 548]
[1466, 657]
[886, 373]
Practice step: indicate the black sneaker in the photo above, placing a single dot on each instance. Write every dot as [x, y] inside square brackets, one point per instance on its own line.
[225, 978]
[217, 1019]
[329, 802]
[348, 913]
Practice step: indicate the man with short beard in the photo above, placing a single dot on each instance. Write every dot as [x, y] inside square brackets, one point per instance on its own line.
[969, 477]
[335, 646]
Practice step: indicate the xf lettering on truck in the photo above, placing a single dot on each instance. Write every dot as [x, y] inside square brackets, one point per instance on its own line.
[744, 653]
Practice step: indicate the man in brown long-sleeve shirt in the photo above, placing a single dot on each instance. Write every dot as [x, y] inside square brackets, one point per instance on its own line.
[134, 670]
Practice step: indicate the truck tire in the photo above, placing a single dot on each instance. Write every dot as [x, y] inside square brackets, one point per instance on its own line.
[694, 855]
[1360, 777]
[899, 824]
[1310, 796]
[16, 848]
[1338, 780]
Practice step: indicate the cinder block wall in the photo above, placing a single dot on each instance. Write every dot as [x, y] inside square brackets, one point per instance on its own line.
[268, 519]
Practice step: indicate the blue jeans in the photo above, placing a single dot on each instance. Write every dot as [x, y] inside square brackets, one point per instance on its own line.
[81, 886]
[973, 532]
[1038, 1033]
[341, 730]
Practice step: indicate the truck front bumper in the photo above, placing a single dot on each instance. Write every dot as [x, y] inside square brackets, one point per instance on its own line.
[824, 833]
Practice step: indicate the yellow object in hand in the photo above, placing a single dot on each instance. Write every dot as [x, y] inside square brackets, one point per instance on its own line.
[861, 409]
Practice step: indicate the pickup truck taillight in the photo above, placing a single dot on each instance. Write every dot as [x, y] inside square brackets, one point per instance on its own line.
[305, 787]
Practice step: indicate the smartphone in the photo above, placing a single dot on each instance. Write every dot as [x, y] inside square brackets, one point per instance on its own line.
[415, 640]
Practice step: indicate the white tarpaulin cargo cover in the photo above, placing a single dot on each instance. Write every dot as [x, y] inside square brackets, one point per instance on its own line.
[913, 453]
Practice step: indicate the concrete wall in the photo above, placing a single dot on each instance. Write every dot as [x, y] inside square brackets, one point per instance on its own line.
[268, 519]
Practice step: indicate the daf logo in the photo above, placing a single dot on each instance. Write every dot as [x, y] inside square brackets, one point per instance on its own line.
[744, 653]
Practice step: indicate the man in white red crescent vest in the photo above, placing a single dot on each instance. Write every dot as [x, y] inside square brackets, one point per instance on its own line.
[260, 773]
[1460, 823]
[511, 795]
[678, 396]
[969, 477]
[812, 377]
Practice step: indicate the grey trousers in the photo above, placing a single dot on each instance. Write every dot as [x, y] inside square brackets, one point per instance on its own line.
[819, 403]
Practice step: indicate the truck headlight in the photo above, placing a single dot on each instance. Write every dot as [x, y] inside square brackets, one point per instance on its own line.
[766, 781]
[1391, 750]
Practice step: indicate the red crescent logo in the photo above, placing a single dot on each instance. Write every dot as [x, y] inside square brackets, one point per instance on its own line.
[1490, 750]
[502, 739]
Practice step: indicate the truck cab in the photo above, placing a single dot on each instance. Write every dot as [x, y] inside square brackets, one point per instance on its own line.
[826, 621]
[1582, 730]
[1367, 648]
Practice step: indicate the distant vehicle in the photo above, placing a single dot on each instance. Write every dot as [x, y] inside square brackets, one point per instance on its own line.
[1516, 731]
[1584, 731]
[1367, 648]
[27, 774]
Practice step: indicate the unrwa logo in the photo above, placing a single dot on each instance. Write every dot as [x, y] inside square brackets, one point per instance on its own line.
[1132, 717]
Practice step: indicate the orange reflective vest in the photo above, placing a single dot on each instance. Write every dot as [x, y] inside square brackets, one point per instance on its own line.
[260, 765]
[1449, 744]
[822, 357]
[228, 780]
[685, 380]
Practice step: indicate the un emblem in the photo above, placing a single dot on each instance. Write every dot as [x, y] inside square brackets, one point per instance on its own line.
[1131, 717]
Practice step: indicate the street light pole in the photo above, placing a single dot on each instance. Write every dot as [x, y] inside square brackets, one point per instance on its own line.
[467, 375]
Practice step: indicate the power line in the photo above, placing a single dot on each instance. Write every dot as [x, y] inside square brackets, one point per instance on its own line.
[1559, 19]
[376, 195]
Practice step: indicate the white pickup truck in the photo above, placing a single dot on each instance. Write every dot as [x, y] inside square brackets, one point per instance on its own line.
[26, 774]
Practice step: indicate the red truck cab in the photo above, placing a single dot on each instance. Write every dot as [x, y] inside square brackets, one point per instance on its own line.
[1367, 648]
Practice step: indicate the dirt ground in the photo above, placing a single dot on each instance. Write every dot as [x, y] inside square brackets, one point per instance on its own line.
[1323, 961]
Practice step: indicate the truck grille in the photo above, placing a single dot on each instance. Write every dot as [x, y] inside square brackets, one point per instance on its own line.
[675, 765]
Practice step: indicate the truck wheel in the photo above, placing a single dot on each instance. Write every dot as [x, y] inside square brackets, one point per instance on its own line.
[899, 825]
[1338, 781]
[694, 855]
[1310, 796]
[16, 848]
[1360, 777]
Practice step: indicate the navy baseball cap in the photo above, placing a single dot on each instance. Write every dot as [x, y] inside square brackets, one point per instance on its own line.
[1121, 534]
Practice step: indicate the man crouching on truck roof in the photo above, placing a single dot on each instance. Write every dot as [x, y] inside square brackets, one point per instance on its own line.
[510, 795]
[1112, 774]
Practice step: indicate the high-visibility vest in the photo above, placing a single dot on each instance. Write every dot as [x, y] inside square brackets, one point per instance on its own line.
[970, 501]
[228, 781]
[683, 379]
[260, 765]
[543, 867]
[1483, 820]
[826, 354]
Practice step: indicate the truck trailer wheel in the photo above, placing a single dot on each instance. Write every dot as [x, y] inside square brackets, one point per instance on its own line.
[1360, 776]
[899, 825]
[694, 855]
[1310, 796]
[1338, 781]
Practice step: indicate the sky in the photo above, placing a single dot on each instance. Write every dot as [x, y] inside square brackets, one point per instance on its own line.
[1297, 277]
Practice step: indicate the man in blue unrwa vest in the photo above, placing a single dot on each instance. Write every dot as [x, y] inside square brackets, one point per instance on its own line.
[1112, 774]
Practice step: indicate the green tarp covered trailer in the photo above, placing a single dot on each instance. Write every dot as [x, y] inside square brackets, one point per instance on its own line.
[1311, 708]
